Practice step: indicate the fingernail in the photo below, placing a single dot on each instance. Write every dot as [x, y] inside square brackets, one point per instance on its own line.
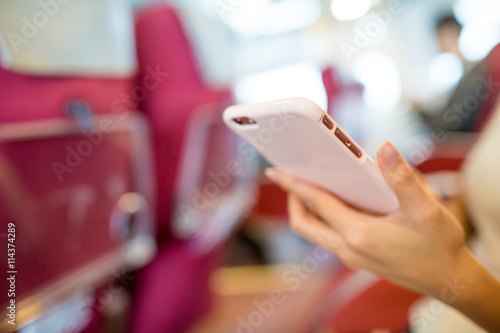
[272, 174]
[389, 154]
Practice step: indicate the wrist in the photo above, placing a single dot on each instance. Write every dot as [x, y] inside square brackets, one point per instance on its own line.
[472, 290]
[450, 281]
[457, 279]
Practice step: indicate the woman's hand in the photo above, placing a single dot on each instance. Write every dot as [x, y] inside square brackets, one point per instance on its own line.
[420, 246]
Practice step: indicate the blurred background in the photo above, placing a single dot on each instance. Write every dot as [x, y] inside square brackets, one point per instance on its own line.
[132, 208]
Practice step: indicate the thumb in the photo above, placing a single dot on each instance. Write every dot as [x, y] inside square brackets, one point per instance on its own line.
[400, 176]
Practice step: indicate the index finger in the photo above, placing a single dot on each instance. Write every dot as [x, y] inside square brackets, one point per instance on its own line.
[323, 204]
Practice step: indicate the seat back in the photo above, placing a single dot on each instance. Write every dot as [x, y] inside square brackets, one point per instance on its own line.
[28, 98]
[189, 143]
[163, 48]
[78, 190]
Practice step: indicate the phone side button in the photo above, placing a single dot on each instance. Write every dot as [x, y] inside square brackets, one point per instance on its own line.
[345, 140]
[327, 122]
[355, 150]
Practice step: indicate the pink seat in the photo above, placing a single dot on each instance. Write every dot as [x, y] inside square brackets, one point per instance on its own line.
[337, 91]
[172, 291]
[60, 184]
[27, 98]
[162, 46]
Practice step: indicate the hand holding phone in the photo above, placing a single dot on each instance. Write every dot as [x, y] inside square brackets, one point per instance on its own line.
[295, 135]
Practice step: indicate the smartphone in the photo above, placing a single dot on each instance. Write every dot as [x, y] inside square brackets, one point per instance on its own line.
[296, 136]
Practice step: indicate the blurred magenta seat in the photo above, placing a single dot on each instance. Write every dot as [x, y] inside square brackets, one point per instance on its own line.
[72, 233]
[172, 291]
[163, 47]
[337, 90]
[29, 97]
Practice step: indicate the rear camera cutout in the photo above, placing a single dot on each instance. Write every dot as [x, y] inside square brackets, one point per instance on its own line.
[244, 121]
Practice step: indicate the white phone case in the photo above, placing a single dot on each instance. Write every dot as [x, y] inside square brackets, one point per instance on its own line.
[295, 135]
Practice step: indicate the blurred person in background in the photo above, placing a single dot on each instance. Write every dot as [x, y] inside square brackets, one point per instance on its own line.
[443, 110]
[448, 31]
